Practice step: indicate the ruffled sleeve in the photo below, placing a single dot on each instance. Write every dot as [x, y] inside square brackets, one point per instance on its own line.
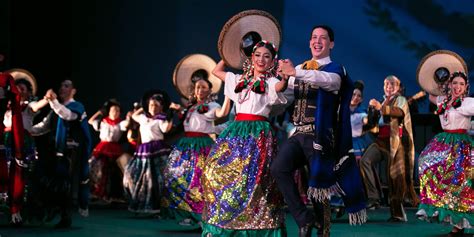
[229, 85]
[275, 98]
[467, 107]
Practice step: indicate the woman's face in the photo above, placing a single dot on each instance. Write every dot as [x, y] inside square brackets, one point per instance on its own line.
[458, 87]
[356, 97]
[114, 112]
[390, 87]
[24, 93]
[154, 107]
[201, 90]
[262, 59]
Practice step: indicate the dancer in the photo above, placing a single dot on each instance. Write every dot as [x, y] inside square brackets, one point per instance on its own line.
[143, 175]
[395, 144]
[360, 139]
[67, 169]
[241, 197]
[319, 86]
[182, 174]
[106, 176]
[446, 163]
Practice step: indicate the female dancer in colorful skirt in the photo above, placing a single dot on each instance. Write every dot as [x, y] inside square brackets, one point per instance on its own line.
[241, 198]
[446, 165]
[106, 176]
[143, 175]
[183, 172]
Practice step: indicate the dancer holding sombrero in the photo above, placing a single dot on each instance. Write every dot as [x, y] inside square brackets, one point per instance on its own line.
[446, 164]
[182, 174]
[241, 197]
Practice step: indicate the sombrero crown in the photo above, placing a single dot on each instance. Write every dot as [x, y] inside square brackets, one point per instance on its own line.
[186, 68]
[435, 69]
[241, 32]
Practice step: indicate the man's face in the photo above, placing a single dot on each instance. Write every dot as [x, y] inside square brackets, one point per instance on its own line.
[66, 90]
[320, 43]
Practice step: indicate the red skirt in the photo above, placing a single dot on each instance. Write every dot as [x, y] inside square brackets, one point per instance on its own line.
[108, 149]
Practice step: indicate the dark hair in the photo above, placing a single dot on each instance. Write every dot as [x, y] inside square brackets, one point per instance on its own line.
[198, 75]
[326, 28]
[108, 104]
[360, 86]
[268, 46]
[26, 83]
[158, 95]
[70, 82]
[458, 74]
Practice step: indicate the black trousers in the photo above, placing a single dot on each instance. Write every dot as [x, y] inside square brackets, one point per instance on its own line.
[292, 155]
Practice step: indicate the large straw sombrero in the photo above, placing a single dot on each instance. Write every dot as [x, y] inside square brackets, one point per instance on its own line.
[185, 69]
[242, 32]
[436, 67]
[18, 73]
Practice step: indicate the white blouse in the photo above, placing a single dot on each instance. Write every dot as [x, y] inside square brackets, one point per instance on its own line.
[27, 116]
[357, 123]
[109, 132]
[151, 129]
[254, 103]
[457, 118]
[196, 122]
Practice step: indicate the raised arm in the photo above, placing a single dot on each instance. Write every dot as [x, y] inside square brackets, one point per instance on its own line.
[219, 70]
[432, 98]
[326, 80]
[166, 125]
[94, 117]
[225, 109]
[135, 115]
[282, 84]
[35, 107]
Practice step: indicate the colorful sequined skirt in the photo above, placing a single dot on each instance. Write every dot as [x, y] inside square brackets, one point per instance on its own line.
[240, 195]
[143, 177]
[182, 175]
[445, 168]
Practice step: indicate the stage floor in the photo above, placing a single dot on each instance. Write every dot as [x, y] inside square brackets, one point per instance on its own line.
[120, 223]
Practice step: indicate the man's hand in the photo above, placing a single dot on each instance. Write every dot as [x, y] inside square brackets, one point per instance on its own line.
[50, 95]
[285, 67]
[375, 104]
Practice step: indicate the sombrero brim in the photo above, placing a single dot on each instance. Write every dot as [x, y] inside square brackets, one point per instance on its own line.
[18, 73]
[230, 38]
[185, 69]
[434, 60]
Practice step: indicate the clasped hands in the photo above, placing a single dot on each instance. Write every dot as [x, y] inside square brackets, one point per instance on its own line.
[50, 95]
[286, 69]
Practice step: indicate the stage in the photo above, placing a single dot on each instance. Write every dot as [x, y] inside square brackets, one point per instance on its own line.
[105, 221]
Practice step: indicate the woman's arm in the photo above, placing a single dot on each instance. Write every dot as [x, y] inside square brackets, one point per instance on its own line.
[135, 115]
[35, 107]
[218, 71]
[282, 84]
[166, 126]
[94, 117]
[432, 98]
[225, 109]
